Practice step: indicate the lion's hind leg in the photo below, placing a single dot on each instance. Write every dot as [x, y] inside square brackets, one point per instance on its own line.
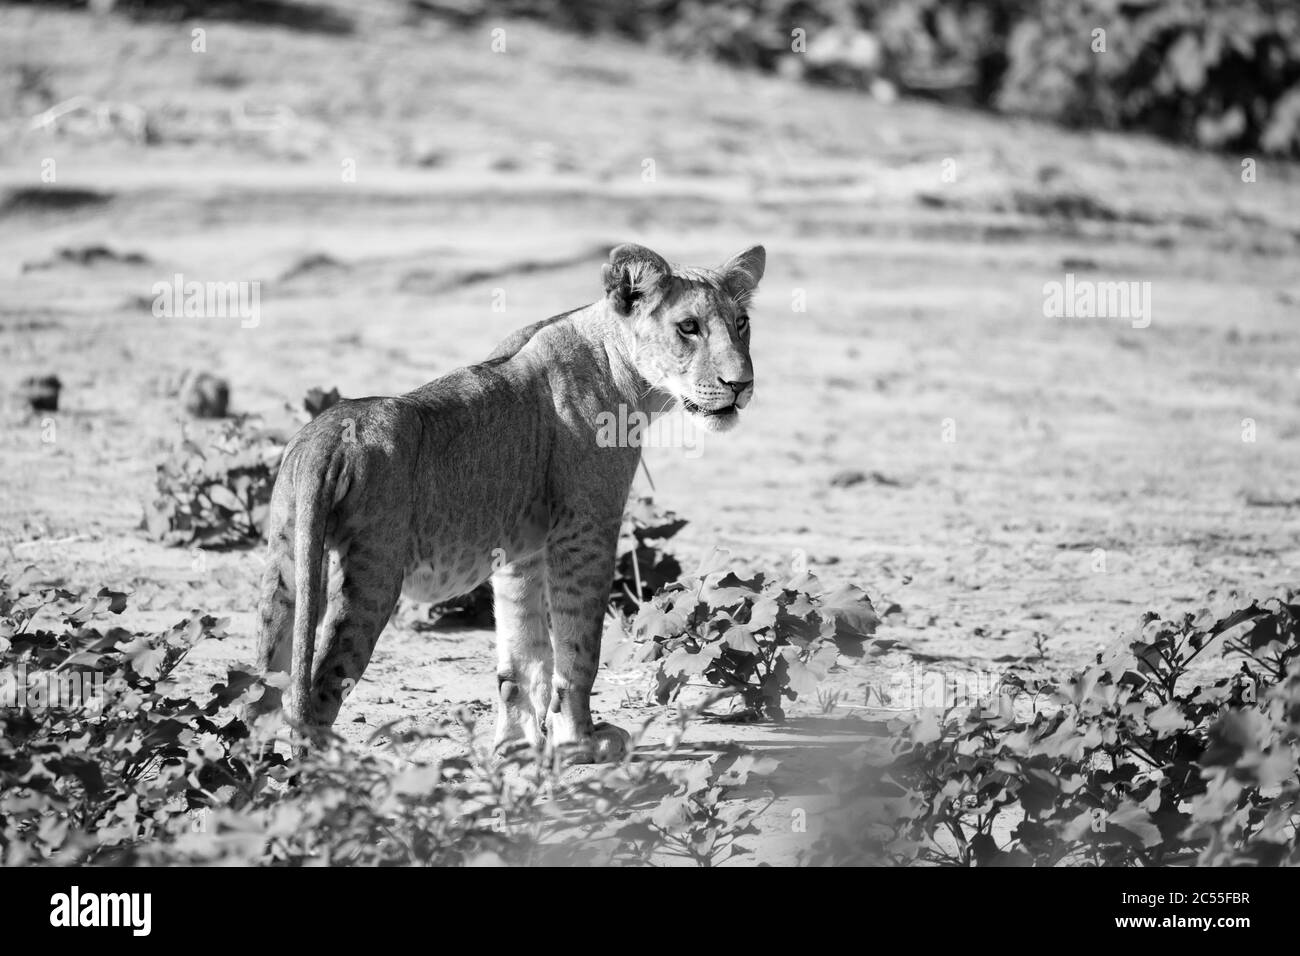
[276, 607]
[365, 578]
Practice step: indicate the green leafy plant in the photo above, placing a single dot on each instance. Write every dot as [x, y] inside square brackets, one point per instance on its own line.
[98, 763]
[133, 771]
[643, 564]
[693, 822]
[765, 640]
[215, 494]
[1130, 761]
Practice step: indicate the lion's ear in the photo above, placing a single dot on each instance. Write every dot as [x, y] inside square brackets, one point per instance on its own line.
[743, 272]
[632, 272]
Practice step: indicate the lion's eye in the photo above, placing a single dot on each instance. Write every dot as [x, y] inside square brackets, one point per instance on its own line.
[742, 323]
[688, 327]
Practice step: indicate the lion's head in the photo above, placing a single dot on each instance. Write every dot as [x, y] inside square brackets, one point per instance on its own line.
[689, 328]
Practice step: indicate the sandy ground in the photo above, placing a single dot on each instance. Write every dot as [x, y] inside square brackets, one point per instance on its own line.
[900, 311]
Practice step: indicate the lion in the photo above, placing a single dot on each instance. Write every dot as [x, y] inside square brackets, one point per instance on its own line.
[495, 471]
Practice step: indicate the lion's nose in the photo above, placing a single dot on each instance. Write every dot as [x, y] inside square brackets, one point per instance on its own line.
[737, 387]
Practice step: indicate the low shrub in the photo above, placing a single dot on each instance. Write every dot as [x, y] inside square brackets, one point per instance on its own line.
[1129, 762]
[128, 769]
[215, 494]
[765, 640]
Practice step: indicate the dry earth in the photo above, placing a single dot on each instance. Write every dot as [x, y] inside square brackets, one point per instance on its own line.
[478, 171]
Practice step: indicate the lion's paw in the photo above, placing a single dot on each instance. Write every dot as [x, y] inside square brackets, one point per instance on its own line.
[611, 743]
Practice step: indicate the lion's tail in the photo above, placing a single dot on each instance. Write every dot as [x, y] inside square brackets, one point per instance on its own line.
[313, 502]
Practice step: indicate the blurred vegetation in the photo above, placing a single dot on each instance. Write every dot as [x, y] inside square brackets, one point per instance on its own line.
[1222, 74]
[296, 14]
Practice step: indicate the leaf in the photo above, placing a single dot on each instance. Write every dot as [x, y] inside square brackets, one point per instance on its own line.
[684, 603]
[145, 658]
[799, 605]
[685, 661]
[644, 520]
[698, 776]
[804, 582]
[802, 630]
[822, 660]
[1131, 817]
[1038, 791]
[855, 618]
[112, 601]
[799, 677]
[673, 813]
[237, 681]
[1149, 657]
[1167, 720]
[925, 729]
[738, 637]
[764, 612]
[1236, 735]
[984, 848]
[729, 591]
[715, 561]
[655, 623]
[1263, 635]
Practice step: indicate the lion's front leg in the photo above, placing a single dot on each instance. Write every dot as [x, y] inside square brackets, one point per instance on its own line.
[523, 652]
[579, 566]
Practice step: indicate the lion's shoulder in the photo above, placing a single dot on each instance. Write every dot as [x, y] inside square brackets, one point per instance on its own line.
[521, 337]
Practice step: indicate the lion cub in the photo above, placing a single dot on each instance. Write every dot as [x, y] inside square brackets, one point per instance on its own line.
[498, 465]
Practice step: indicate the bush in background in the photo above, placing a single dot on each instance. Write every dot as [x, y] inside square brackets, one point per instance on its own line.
[1220, 74]
[1215, 73]
[218, 494]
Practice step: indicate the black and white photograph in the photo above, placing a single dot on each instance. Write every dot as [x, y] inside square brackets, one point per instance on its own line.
[650, 433]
